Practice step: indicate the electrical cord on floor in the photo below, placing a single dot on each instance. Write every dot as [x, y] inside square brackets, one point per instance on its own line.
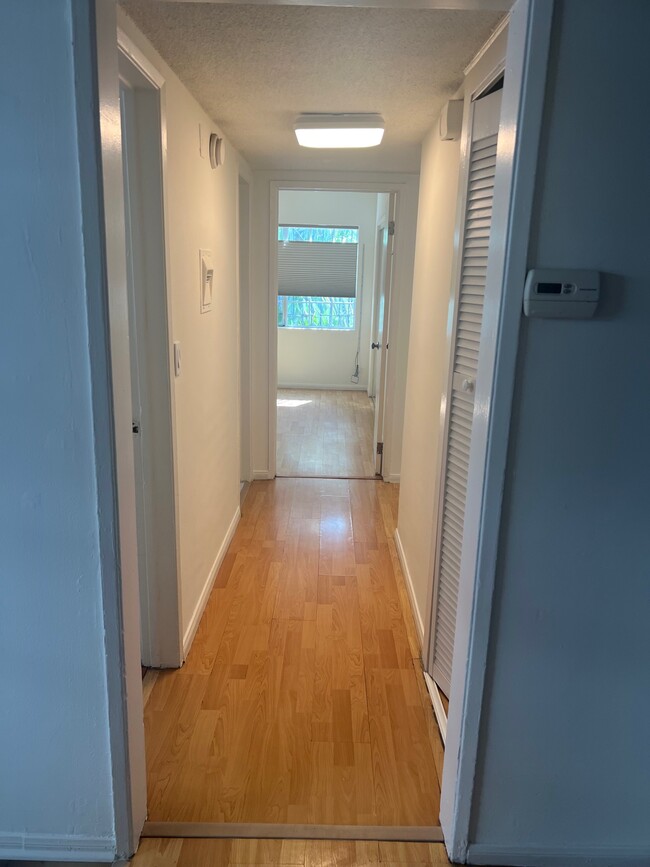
[355, 376]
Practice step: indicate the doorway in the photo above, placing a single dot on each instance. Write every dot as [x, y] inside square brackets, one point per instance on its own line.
[464, 785]
[333, 284]
[151, 376]
[244, 203]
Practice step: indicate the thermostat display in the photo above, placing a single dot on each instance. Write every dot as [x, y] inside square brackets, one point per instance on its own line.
[561, 294]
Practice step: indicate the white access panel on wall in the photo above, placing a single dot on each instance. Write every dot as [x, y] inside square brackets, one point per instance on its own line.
[464, 367]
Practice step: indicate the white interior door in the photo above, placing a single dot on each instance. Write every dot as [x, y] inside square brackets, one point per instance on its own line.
[464, 367]
[161, 640]
[137, 359]
[381, 323]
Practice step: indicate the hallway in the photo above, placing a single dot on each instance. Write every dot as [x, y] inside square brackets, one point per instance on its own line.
[324, 432]
[301, 700]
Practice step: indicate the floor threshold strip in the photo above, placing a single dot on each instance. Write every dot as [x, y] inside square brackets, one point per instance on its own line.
[273, 831]
[375, 478]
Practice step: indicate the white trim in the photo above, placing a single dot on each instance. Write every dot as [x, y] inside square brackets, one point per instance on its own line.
[392, 478]
[74, 847]
[511, 856]
[401, 554]
[438, 706]
[195, 619]
[400, 185]
[105, 257]
[244, 331]
[262, 476]
[521, 118]
[161, 613]
[274, 220]
[128, 47]
[317, 386]
[148, 683]
[500, 28]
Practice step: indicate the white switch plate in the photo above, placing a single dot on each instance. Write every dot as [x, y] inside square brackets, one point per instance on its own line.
[177, 358]
[206, 276]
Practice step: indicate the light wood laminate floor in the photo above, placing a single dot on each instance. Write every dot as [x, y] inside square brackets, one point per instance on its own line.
[302, 699]
[325, 433]
[304, 853]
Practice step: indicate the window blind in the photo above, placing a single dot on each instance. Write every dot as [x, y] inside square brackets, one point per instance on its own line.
[317, 268]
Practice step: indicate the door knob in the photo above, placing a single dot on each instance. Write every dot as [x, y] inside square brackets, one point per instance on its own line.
[468, 385]
[375, 345]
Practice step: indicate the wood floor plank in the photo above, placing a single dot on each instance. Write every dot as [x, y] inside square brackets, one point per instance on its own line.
[175, 852]
[323, 432]
[301, 699]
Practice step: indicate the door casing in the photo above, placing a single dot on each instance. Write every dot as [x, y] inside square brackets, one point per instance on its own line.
[152, 376]
[383, 293]
[396, 190]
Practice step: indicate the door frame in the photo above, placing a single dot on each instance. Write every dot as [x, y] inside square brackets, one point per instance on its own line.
[379, 230]
[527, 56]
[384, 275]
[522, 110]
[244, 307]
[275, 187]
[160, 599]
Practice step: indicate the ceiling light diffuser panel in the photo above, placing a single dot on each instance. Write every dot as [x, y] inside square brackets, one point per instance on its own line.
[339, 130]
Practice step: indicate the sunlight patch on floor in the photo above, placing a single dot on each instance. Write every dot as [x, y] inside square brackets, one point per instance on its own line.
[283, 401]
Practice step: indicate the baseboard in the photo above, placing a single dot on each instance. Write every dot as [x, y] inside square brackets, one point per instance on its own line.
[62, 848]
[419, 625]
[317, 386]
[261, 475]
[438, 707]
[193, 625]
[507, 856]
[148, 683]
[392, 478]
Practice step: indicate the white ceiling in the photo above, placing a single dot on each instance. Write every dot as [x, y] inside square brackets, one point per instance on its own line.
[254, 68]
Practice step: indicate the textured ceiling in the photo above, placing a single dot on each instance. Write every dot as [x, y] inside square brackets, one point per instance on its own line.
[255, 68]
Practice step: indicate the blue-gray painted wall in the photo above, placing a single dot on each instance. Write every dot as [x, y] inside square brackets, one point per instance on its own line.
[54, 743]
[565, 740]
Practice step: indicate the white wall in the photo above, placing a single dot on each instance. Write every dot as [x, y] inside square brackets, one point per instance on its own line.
[564, 758]
[427, 363]
[202, 207]
[400, 312]
[326, 358]
[55, 752]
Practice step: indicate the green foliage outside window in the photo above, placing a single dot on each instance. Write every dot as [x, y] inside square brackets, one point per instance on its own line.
[298, 311]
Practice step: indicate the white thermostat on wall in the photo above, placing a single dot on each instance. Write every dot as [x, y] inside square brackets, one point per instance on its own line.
[560, 293]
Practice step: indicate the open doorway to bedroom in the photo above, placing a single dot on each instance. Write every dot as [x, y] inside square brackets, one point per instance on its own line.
[333, 291]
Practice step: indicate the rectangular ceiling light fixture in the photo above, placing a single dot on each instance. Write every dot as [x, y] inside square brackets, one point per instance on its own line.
[339, 130]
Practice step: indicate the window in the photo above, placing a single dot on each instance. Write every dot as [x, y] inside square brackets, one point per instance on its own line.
[317, 277]
[300, 311]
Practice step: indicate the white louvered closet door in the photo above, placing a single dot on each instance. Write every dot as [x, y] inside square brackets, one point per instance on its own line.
[469, 317]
